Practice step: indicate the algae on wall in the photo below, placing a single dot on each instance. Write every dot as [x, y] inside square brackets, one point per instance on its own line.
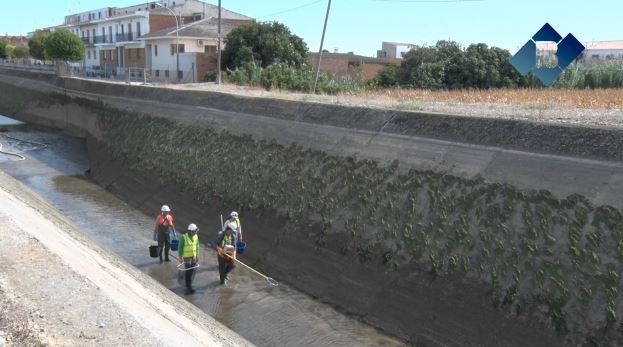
[15, 100]
[563, 256]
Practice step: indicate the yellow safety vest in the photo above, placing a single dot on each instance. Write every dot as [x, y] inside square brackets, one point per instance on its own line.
[227, 240]
[190, 246]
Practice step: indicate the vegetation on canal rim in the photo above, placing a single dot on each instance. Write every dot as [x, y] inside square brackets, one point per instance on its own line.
[563, 256]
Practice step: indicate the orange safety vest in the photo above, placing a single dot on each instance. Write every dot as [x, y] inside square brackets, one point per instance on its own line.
[165, 221]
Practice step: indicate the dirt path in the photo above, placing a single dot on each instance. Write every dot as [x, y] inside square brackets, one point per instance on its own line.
[59, 288]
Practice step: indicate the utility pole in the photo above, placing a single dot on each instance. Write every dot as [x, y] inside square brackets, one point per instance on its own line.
[177, 38]
[326, 18]
[218, 63]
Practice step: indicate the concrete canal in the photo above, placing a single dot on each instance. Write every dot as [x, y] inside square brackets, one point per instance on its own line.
[265, 315]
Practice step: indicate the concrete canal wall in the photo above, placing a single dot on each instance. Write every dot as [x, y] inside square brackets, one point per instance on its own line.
[444, 230]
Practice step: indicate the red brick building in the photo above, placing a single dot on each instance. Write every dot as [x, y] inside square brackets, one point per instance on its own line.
[15, 40]
[348, 65]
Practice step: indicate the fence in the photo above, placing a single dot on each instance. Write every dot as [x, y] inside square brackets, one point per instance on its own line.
[129, 75]
[29, 64]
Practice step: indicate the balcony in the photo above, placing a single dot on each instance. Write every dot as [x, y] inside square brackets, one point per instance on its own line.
[103, 39]
[87, 40]
[125, 37]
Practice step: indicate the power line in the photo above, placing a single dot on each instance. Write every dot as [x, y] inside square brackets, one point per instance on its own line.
[427, 1]
[290, 10]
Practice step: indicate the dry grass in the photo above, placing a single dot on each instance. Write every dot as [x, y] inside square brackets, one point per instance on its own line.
[584, 98]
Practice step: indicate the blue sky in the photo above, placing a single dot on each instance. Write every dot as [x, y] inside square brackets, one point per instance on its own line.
[360, 25]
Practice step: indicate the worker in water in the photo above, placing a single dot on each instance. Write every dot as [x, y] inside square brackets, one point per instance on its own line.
[164, 228]
[226, 251]
[188, 251]
[235, 221]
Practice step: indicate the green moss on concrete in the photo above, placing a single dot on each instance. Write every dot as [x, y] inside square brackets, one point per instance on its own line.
[562, 257]
[14, 100]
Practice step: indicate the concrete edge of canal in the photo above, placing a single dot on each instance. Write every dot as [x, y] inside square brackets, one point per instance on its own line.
[98, 298]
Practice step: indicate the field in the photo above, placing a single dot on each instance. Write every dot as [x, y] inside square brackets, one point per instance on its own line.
[587, 107]
[575, 98]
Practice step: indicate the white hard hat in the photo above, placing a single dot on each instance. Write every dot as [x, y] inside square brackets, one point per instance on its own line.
[165, 208]
[192, 227]
[234, 214]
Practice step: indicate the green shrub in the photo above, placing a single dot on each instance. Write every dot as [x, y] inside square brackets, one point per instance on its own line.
[210, 76]
[609, 75]
[285, 77]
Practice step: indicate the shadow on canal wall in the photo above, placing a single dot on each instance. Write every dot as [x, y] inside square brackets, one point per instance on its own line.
[431, 253]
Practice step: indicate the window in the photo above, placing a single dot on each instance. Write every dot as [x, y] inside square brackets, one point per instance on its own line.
[166, 73]
[211, 50]
[138, 29]
[100, 15]
[181, 45]
[173, 3]
[122, 30]
[156, 50]
[157, 73]
[93, 34]
[89, 54]
[110, 33]
[180, 74]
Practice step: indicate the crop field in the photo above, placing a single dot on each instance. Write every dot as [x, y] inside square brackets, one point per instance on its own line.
[578, 98]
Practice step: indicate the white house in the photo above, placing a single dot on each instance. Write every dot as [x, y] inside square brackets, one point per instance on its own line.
[113, 36]
[395, 50]
[198, 42]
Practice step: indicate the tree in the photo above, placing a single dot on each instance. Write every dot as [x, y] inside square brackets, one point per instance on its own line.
[9, 51]
[447, 65]
[37, 45]
[263, 44]
[389, 76]
[3, 44]
[20, 52]
[64, 45]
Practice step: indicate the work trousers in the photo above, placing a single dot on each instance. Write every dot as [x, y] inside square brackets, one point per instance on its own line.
[224, 267]
[189, 264]
[164, 238]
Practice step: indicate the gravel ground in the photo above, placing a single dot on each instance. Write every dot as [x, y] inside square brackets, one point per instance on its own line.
[44, 302]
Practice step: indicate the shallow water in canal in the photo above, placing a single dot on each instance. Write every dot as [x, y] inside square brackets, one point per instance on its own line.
[265, 315]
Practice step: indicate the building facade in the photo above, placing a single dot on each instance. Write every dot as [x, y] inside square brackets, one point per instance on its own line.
[393, 50]
[349, 65]
[114, 37]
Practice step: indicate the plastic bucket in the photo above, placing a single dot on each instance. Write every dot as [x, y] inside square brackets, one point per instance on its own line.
[153, 251]
[174, 244]
[240, 246]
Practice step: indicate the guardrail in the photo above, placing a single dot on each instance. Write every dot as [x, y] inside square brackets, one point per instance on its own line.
[30, 67]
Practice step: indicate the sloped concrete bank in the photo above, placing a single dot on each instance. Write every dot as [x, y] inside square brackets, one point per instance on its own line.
[422, 247]
[78, 294]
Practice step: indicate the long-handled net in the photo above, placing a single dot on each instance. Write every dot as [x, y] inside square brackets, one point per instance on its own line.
[270, 280]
